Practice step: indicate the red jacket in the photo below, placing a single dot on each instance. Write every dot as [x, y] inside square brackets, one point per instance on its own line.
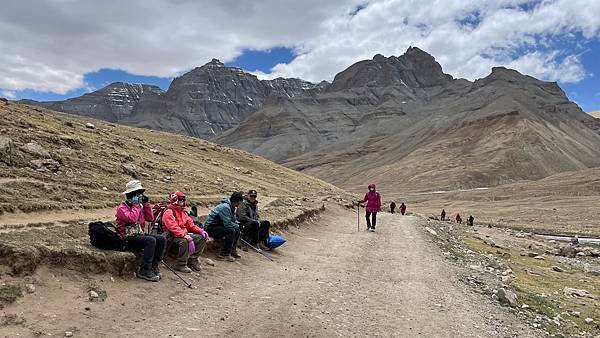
[135, 213]
[373, 199]
[179, 223]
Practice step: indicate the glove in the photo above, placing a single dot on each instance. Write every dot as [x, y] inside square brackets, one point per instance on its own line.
[188, 237]
[145, 199]
[204, 234]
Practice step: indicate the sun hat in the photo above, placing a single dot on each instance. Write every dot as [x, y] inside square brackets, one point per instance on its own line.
[132, 186]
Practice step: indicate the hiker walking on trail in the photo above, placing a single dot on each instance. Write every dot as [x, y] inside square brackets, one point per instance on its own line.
[458, 219]
[373, 199]
[471, 220]
[186, 237]
[443, 215]
[131, 217]
[392, 207]
[402, 208]
[222, 223]
[253, 230]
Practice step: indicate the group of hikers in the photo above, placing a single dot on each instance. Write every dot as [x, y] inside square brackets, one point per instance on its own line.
[182, 232]
[373, 200]
[458, 219]
[402, 207]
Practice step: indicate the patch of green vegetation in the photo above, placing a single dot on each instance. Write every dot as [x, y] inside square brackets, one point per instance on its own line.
[9, 294]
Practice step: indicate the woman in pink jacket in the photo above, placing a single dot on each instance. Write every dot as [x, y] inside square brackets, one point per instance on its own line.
[373, 199]
[131, 217]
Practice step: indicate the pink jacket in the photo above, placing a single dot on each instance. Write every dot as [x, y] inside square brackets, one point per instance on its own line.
[373, 199]
[126, 214]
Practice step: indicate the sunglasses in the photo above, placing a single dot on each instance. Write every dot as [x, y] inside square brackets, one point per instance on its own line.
[181, 198]
[252, 196]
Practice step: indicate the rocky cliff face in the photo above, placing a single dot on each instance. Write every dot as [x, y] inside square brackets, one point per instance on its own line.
[202, 103]
[112, 103]
[404, 123]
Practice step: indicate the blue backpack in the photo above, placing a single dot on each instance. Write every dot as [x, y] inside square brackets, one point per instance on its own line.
[275, 241]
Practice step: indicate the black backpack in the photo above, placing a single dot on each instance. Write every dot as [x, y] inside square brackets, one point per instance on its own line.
[104, 235]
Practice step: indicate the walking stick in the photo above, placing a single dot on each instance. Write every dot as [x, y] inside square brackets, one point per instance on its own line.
[358, 216]
[189, 285]
[257, 250]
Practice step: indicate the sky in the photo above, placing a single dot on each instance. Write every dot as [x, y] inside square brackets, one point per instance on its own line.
[56, 49]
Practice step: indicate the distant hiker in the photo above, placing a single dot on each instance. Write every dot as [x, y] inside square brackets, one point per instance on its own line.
[458, 219]
[186, 237]
[222, 223]
[402, 208]
[470, 220]
[253, 230]
[443, 214]
[131, 217]
[392, 207]
[373, 199]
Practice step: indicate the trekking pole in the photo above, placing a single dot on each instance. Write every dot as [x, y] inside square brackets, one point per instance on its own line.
[257, 250]
[189, 285]
[358, 216]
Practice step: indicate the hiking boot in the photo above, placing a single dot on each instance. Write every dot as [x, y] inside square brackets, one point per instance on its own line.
[147, 274]
[372, 229]
[183, 268]
[156, 271]
[261, 246]
[227, 258]
[236, 255]
[195, 265]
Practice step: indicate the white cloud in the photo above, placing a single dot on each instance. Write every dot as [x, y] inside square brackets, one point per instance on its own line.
[7, 94]
[48, 45]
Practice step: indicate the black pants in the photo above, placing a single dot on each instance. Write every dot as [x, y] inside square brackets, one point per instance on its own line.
[392, 209]
[153, 247]
[256, 232]
[231, 235]
[369, 216]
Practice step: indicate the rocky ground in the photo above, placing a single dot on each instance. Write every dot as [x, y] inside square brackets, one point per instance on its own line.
[549, 284]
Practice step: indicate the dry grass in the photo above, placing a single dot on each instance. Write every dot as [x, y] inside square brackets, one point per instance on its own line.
[538, 286]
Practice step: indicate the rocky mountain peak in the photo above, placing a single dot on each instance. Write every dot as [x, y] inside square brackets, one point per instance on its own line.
[414, 69]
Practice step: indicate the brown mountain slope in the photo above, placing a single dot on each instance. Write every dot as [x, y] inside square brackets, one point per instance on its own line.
[51, 161]
[595, 114]
[405, 125]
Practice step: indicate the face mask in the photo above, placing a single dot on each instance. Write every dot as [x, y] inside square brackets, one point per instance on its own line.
[135, 199]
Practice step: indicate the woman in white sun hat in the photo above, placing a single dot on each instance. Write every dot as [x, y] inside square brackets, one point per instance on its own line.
[131, 217]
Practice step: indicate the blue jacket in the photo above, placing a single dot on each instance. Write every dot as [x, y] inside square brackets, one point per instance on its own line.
[222, 215]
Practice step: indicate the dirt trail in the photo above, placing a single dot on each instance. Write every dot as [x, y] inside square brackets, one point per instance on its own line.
[328, 280]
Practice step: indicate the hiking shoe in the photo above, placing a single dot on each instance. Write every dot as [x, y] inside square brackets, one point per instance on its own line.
[195, 265]
[156, 271]
[227, 258]
[236, 255]
[183, 268]
[261, 246]
[147, 274]
[372, 229]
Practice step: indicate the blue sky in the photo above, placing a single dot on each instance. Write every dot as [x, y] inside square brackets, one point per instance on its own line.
[65, 53]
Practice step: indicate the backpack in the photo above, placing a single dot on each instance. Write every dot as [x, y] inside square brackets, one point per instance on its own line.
[104, 235]
[156, 226]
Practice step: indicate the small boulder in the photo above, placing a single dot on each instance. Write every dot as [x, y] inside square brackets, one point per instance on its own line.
[30, 288]
[431, 231]
[7, 150]
[507, 297]
[557, 268]
[45, 165]
[540, 257]
[131, 170]
[68, 334]
[589, 320]
[532, 254]
[90, 126]
[577, 292]
[93, 295]
[35, 149]
[576, 314]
